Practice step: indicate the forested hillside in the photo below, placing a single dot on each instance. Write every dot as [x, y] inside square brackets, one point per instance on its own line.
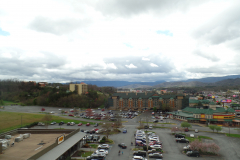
[51, 95]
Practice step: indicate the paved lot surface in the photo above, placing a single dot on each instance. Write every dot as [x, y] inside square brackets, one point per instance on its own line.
[172, 150]
[28, 147]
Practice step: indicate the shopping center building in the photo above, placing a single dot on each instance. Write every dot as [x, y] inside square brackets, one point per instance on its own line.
[212, 115]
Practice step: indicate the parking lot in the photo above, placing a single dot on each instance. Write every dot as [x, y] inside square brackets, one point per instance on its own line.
[229, 147]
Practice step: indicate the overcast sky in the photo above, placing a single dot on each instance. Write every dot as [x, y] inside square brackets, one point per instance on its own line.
[131, 40]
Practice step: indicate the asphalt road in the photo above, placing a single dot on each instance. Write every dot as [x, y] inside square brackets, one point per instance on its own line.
[229, 147]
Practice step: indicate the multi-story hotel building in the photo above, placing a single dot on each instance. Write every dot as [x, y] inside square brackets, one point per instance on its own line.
[143, 101]
[80, 88]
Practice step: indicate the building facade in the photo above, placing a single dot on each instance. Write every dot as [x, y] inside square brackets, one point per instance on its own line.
[212, 115]
[144, 101]
[80, 88]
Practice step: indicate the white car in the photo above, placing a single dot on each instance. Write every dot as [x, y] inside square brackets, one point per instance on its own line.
[138, 158]
[52, 112]
[102, 151]
[103, 146]
[186, 147]
[191, 135]
[156, 146]
[72, 123]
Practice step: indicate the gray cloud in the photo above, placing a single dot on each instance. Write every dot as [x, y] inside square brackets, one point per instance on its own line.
[29, 67]
[57, 27]
[210, 57]
[222, 28]
[132, 7]
[164, 65]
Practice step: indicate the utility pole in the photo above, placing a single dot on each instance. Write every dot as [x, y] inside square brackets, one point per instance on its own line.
[147, 144]
[21, 121]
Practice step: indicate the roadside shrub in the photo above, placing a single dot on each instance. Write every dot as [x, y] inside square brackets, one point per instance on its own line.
[104, 138]
[102, 141]
[205, 148]
[86, 145]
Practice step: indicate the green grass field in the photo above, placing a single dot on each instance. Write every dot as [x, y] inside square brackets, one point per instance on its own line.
[6, 103]
[233, 135]
[199, 138]
[12, 120]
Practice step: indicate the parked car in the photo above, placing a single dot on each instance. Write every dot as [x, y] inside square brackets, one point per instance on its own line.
[155, 121]
[96, 125]
[61, 123]
[89, 138]
[124, 130]
[179, 136]
[96, 138]
[53, 123]
[68, 124]
[122, 145]
[146, 127]
[79, 124]
[155, 155]
[103, 146]
[196, 130]
[156, 146]
[182, 140]
[103, 151]
[86, 131]
[97, 156]
[140, 153]
[193, 154]
[150, 127]
[186, 129]
[138, 158]
[99, 131]
[41, 124]
[186, 147]
[88, 124]
[82, 130]
[72, 123]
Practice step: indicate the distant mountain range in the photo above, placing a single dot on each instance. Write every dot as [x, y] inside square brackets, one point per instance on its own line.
[119, 83]
[231, 80]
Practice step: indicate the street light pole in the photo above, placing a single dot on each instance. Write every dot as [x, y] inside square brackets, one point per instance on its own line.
[147, 144]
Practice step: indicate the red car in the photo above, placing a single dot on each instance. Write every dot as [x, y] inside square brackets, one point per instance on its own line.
[102, 109]
[94, 129]
[71, 115]
[88, 124]
[98, 118]
[79, 124]
[186, 129]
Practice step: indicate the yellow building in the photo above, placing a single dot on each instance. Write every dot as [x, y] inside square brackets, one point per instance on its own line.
[80, 88]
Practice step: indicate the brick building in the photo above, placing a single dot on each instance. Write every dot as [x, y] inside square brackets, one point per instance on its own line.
[143, 101]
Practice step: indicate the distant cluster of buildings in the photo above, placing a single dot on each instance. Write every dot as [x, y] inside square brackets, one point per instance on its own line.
[40, 84]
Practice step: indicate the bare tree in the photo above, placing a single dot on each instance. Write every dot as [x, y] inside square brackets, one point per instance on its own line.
[47, 119]
[107, 127]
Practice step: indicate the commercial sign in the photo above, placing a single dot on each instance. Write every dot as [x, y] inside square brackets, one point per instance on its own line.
[60, 139]
[226, 100]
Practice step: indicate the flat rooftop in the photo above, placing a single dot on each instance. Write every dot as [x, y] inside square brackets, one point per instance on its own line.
[28, 147]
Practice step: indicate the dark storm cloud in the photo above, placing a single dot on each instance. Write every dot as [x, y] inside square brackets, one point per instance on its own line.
[57, 27]
[132, 7]
[164, 65]
[222, 28]
[210, 57]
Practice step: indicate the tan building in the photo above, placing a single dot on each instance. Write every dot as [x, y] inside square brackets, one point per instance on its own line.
[80, 88]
